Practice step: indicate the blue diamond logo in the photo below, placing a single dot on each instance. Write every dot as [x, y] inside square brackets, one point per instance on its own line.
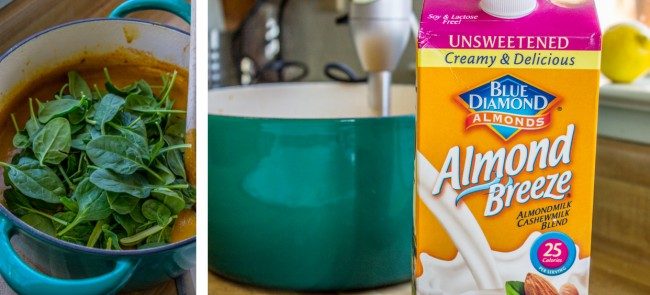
[508, 105]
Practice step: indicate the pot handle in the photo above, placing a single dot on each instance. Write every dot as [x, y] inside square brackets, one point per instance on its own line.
[25, 280]
[180, 8]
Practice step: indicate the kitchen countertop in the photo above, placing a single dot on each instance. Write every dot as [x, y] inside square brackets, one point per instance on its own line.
[20, 19]
[220, 286]
[171, 287]
[621, 230]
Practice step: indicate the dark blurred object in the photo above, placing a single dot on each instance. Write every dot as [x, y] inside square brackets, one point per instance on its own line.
[310, 35]
[343, 73]
[257, 46]
[216, 45]
[235, 12]
[215, 78]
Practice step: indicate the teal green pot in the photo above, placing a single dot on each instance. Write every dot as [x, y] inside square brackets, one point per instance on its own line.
[307, 189]
[34, 263]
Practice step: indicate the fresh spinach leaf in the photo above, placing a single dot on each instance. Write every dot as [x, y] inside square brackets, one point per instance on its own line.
[134, 185]
[52, 143]
[111, 239]
[77, 117]
[112, 88]
[144, 88]
[40, 223]
[134, 136]
[122, 203]
[80, 140]
[147, 104]
[33, 126]
[127, 223]
[78, 86]
[57, 108]
[174, 160]
[93, 204]
[170, 198]
[66, 216]
[166, 175]
[35, 181]
[80, 234]
[142, 235]
[115, 153]
[72, 164]
[137, 216]
[70, 204]
[135, 102]
[17, 202]
[189, 195]
[156, 211]
[21, 140]
[163, 236]
[96, 233]
[19, 205]
[76, 129]
[107, 108]
[175, 129]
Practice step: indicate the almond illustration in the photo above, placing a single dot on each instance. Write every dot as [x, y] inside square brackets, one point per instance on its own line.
[537, 285]
[569, 289]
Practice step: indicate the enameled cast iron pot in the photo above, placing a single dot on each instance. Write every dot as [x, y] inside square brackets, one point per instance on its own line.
[68, 268]
[308, 190]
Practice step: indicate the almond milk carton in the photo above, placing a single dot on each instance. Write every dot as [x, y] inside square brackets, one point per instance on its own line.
[506, 144]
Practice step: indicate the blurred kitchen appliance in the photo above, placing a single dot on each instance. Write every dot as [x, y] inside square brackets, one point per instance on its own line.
[380, 30]
[257, 46]
[216, 25]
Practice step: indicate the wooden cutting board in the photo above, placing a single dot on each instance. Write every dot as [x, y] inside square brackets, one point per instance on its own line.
[22, 18]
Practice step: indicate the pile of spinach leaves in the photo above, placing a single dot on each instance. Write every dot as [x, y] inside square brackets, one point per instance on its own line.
[101, 168]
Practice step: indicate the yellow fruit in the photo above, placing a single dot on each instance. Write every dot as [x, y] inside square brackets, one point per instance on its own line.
[626, 52]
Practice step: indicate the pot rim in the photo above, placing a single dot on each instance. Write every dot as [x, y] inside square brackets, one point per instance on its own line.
[342, 120]
[71, 246]
[87, 20]
[61, 243]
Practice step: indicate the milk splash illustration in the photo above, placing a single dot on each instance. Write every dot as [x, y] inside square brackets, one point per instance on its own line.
[474, 270]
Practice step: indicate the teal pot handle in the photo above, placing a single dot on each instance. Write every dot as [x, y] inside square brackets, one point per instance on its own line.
[25, 280]
[180, 8]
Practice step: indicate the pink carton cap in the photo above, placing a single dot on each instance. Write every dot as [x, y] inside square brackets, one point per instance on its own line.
[552, 25]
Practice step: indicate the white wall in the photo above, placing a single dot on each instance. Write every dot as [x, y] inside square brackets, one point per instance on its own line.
[611, 12]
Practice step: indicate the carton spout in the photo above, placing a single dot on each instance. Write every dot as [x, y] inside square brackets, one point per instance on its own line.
[508, 9]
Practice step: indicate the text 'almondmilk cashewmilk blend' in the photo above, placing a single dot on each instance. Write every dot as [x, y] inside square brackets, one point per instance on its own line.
[506, 141]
